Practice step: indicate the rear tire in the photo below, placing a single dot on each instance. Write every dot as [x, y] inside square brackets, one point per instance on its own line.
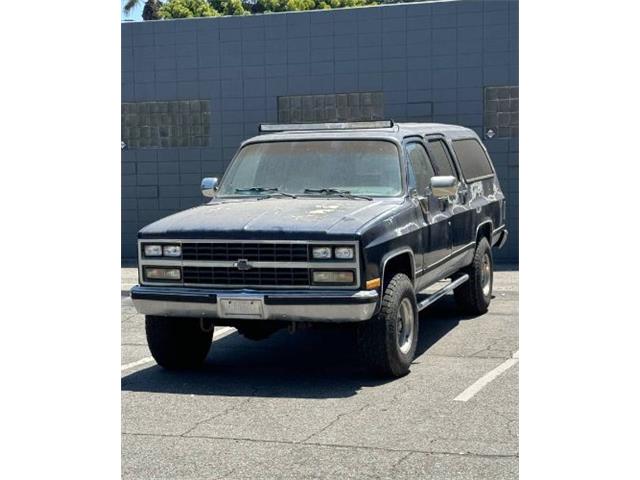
[178, 343]
[474, 295]
[388, 342]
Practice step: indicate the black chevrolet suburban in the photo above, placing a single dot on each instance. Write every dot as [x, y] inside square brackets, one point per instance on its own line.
[351, 223]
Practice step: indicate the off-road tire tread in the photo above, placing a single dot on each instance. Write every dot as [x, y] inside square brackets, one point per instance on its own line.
[178, 343]
[469, 296]
[377, 336]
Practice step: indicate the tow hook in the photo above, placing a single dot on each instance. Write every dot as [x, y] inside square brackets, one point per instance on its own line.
[206, 325]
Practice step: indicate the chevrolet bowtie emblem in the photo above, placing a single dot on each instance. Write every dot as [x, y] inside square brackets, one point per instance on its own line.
[242, 264]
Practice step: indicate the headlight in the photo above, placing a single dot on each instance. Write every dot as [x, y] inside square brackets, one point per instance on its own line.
[344, 253]
[333, 277]
[321, 253]
[160, 273]
[172, 250]
[152, 250]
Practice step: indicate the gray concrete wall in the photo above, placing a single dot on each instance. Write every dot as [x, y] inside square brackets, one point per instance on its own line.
[192, 90]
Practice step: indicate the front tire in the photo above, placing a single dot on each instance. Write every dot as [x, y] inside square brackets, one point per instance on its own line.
[178, 343]
[474, 295]
[388, 342]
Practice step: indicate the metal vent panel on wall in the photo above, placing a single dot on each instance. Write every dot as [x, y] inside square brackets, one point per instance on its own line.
[501, 109]
[183, 123]
[340, 107]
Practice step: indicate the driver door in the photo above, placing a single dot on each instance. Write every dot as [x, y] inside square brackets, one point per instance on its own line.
[461, 215]
[436, 234]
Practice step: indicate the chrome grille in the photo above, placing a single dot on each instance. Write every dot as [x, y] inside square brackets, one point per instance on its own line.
[232, 251]
[253, 277]
[248, 263]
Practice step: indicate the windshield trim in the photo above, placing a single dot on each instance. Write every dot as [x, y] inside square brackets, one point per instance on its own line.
[257, 140]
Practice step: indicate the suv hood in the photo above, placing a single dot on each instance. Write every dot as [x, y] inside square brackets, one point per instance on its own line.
[304, 217]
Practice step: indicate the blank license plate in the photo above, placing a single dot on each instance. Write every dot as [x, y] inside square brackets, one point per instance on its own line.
[245, 307]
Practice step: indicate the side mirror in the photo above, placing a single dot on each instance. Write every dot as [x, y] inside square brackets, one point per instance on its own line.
[444, 187]
[209, 186]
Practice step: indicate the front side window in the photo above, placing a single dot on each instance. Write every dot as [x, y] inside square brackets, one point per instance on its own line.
[421, 166]
[362, 167]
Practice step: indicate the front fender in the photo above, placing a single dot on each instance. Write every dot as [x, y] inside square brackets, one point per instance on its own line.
[396, 233]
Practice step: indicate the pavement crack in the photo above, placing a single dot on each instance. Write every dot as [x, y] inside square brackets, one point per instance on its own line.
[394, 399]
[499, 414]
[321, 444]
[487, 348]
[490, 347]
[510, 420]
[334, 421]
[221, 414]
[400, 460]
[227, 474]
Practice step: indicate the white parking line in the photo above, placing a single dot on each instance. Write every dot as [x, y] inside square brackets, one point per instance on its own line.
[487, 378]
[142, 361]
[223, 332]
[217, 335]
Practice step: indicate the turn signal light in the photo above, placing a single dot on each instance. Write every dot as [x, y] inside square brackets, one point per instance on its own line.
[373, 283]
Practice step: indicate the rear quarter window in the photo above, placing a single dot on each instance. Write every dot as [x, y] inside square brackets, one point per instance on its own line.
[474, 162]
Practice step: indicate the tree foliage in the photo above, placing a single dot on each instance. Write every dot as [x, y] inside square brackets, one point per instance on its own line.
[155, 9]
[151, 10]
[187, 9]
[231, 7]
[296, 5]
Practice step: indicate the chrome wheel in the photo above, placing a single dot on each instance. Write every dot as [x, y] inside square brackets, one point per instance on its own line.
[405, 326]
[486, 276]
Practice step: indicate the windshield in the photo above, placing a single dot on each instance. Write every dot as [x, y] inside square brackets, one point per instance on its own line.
[359, 167]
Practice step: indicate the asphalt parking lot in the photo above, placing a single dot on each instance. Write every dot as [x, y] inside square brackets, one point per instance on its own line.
[299, 406]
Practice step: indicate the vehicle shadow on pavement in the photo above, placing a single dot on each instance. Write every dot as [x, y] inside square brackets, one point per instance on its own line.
[437, 320]
[313, 363]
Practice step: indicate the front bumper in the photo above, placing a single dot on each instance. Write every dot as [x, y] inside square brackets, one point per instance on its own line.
[303, 306]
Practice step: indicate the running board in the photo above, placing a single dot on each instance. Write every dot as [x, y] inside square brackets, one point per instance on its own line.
[440, 293]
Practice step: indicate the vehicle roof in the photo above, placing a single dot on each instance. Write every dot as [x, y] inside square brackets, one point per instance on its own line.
[397, 132]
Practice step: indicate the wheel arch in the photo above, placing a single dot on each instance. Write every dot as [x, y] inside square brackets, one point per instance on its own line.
[398, 261]
[484, 230]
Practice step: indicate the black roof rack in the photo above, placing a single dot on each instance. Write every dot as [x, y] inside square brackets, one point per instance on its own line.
[305, 127]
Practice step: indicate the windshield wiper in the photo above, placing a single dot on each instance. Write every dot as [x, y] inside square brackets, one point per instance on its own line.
[270, 195]
[256, 189]
[335, 191]
[268, 191]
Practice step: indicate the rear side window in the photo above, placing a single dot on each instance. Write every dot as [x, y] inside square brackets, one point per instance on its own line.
[441, 159]
[421, 166]
[474, 162]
